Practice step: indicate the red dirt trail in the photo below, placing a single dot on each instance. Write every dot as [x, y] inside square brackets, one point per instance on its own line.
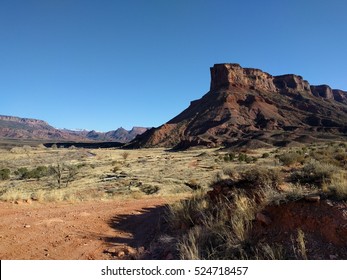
[81, 230]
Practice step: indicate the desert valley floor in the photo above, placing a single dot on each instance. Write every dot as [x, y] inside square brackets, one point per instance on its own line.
[75, 203]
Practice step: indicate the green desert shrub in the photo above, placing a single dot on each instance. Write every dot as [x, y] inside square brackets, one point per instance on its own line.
[39, 172]
[242, 157]
[229, 157]
[315, 173]
[341, 158]
[149, 189]
[22, 173]
[291, 158]
[245, 158]
[5, 174]
[35, 173]
[260, 177]
[265, 155]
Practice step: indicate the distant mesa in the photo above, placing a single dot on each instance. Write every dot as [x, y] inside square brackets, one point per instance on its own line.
[32, 129]
[247, 106]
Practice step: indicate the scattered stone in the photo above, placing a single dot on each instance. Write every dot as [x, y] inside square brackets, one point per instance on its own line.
[131, 251]
[27, 226]
[29, 201]
[328, 202]
[312, 198]
[18, 202]
[263, 219]
[111, 251]
[121, 254]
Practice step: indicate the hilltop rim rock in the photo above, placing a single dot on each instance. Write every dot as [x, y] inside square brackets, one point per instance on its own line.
[229, 75]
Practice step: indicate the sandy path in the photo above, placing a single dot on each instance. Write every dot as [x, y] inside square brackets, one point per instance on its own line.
[85, 230]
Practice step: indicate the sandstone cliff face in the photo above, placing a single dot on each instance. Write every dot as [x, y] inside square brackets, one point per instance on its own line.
[233, 75]
[226, 76]
[247, 102]
[323, 91]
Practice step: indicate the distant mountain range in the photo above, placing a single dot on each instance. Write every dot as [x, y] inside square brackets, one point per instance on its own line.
[26, 128]
[249, 107]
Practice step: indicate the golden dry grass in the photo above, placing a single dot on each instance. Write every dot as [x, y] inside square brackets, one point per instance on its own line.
[107, 173]
[117, 173]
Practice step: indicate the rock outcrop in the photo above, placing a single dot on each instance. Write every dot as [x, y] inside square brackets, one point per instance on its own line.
[227, 76]
[249, 104]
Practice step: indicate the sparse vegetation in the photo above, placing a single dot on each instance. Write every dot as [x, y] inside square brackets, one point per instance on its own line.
[149, 189]
[5, 174]
[260, 177]
[300, 249]
[265, 155]
[24, 173]
[219, 230]
[217, 225]
[291, 158]
[315, 173]
[229, 157]
[125, 155]
[193, 184]
[220, 225]
[64, 173]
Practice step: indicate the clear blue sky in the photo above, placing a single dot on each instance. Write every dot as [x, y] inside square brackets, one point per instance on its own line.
[103, 64]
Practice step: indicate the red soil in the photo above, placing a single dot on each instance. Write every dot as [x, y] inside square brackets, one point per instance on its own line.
[84, 230]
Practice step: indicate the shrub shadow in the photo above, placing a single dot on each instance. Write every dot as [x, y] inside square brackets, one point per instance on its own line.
[138, 229]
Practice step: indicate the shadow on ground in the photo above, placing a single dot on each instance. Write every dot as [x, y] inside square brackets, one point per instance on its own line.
[138, 230]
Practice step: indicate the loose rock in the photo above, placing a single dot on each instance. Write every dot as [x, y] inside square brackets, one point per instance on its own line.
[263, 219]
[312, 198]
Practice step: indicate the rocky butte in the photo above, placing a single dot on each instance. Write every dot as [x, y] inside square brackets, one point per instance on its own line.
[246, 106]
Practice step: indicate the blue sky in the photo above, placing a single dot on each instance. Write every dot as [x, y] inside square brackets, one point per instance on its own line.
[105, 64]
